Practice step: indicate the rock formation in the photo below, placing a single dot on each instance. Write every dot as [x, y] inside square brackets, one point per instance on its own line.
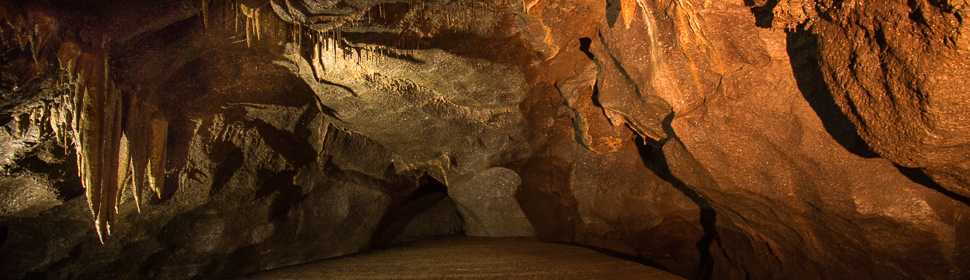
[755, 139]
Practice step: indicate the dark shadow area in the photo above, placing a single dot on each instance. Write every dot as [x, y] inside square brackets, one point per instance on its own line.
[546, 198]
[916, 12]
[62, 173]
[22, 77]
[228, 159]
[763, 15]
[918, 176]
[428, 193]
[387, 14]
[623, 256]
[654, 159]
[596, 95]
[428, 185]
[804, 55]
[290, 145]
[3, 235]
[52, 269]
[180, 133]
[281, 183]
[613, 9]
[584, 44]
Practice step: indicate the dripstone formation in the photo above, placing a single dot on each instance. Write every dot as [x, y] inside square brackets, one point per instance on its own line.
[755, 139]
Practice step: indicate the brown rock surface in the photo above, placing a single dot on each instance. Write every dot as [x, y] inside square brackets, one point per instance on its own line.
[712, 139]
[471, 258]
[898, 70]
[785, 192]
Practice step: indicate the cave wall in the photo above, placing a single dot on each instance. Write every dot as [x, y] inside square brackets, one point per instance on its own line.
[713, 139]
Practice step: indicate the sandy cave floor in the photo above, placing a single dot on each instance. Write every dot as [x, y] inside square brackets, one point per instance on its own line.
[461, 257]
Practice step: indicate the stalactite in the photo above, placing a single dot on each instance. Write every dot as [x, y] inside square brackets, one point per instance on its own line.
[90, 117]
[205, 13]
[96, 127]
[249, 30]
[124, 170]
[333, 45]
[156, 162]
[138, 134]
[109, 151]
[628, 8]
[111, 142]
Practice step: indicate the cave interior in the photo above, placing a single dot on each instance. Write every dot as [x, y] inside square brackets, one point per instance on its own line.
[726, 139]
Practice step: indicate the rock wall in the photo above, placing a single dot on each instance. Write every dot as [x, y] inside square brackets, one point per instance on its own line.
[713, 139]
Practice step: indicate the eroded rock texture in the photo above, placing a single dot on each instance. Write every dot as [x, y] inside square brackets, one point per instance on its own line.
[713, 139]
[898, 71]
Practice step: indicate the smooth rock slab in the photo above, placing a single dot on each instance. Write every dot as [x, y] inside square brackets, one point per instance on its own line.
[461, 257]
[488, 205]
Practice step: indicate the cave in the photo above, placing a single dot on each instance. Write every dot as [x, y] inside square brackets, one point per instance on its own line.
[611, 139]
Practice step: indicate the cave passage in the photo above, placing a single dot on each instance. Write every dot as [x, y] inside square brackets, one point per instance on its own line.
[484, 139]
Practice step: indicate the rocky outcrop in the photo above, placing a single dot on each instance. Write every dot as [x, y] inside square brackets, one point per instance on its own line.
[712, 139]
[896, 70]
[487, 203]
[752, 140]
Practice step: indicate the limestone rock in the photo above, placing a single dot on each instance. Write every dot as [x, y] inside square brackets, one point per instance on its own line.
[26, 196]
[714, 139]
[488, 204]
[899, 73]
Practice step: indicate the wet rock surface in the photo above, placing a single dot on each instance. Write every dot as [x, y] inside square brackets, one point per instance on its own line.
[710, 139]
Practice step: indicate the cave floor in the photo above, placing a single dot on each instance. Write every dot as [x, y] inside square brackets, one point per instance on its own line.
[461, 257]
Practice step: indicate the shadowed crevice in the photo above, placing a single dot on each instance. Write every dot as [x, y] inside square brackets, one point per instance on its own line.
[764, 15]
[396, 220]
[613, 9]
[623, 256]
[228, 158]
[584, 44]
[918, 176]
[651, 151]
[287, 194]
[804, 56]
[3, 235]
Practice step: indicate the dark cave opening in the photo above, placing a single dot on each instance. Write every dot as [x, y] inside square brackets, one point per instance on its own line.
[429, 192]
[428, 185]
[3, 235]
